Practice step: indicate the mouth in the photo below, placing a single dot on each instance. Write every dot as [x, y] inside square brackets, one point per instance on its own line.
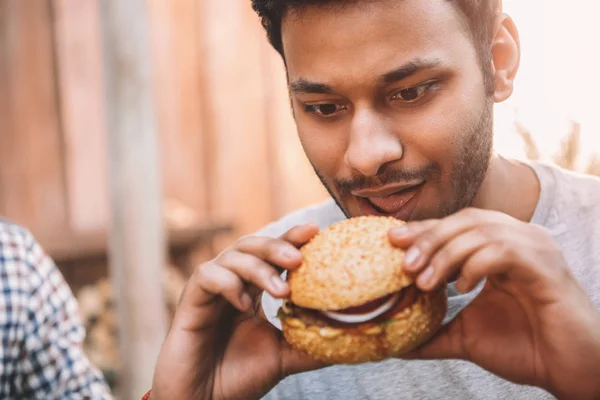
[389, 202]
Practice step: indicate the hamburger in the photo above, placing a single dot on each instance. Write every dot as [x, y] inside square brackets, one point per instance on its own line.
[350, 301]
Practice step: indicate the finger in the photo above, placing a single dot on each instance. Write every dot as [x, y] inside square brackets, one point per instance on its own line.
[255, 271]
[301, 234]
[199, 306]
[295, 362]
[527, 255]
[444, 345]
[404, 235]
[494, 259]
[446, 262]
[219, 281]
[278, 252]
[429, 241]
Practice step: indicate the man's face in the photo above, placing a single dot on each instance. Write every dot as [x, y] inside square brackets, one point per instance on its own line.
[390, 105]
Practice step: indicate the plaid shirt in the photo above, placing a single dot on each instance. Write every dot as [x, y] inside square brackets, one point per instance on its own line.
[41, 356]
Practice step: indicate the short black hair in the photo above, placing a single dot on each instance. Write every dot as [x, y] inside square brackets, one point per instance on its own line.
[480, 16]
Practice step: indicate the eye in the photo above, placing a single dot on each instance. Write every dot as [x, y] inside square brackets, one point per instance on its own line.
[324, 110]
[412, 94]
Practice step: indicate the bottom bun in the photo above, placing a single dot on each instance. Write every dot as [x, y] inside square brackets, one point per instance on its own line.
[405, 331]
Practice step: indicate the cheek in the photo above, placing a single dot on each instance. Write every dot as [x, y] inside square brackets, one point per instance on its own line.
[437, 132]
[324, 147]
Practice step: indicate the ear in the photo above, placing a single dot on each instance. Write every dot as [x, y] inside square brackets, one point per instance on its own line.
[506, 57]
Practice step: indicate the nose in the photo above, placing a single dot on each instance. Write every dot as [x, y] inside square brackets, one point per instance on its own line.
[372, 144]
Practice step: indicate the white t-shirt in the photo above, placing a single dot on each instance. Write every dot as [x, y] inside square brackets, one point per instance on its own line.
[569, 208]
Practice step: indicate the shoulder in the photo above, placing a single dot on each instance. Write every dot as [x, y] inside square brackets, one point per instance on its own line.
[324, 214]
[16, 246]
[14, 235]
[573, 192]
[24, 266]
[572, 212]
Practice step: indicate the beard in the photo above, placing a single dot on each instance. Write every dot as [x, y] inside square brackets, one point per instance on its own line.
[468, 169]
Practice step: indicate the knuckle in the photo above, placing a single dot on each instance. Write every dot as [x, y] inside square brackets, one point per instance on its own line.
[473, 270]
[200, 272]
[442, 259]
[486, 232]
[256, 267]
[207, 277]
[226, 257]
[273, 247]
[263, 273]
[505, 252]
[245, 266]
[246, 241]
[426, 242]
[293, 230]
[228, 284]
[468, 212]
[468, 272]
[474, 215]
[423, 226]
[541, 234]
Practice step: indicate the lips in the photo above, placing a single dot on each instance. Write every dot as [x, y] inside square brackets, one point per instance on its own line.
[394, 202]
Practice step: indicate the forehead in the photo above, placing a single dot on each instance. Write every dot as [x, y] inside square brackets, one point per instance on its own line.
[363, 38]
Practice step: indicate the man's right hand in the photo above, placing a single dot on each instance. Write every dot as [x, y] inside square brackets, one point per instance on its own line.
[218, 347]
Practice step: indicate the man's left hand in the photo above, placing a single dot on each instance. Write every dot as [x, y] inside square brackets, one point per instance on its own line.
[533, 323]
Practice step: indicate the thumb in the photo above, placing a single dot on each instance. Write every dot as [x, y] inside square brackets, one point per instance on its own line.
[294, 361]
[445, 344]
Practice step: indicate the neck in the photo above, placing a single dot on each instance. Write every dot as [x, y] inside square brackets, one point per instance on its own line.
[510, 187]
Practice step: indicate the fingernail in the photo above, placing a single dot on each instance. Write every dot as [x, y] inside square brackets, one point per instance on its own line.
[290, 254]
[400, 230]
[278, 283]
[425, 277]
[246, 301]
[412, 255]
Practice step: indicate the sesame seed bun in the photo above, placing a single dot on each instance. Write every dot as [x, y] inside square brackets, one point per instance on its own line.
[404, 332]
[346, 265]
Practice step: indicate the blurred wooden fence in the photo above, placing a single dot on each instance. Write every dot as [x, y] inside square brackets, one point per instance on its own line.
[228, 142]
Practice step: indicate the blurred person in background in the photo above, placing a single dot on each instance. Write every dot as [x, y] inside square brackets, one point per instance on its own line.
[42, 335]
[393, 102]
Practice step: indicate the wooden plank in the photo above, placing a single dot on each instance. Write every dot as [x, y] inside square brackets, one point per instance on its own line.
[240, 179]
[79, 65]
[178, 66]
[31, 168]
[5, 114]
[137, 238]
[93, 245]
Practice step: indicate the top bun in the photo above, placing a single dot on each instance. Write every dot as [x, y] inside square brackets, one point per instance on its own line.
[348, 264]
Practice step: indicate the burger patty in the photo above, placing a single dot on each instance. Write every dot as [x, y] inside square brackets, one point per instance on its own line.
[408, 296]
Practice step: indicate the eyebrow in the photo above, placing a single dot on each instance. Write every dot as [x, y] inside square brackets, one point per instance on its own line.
[411, 68]
[305, 86]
